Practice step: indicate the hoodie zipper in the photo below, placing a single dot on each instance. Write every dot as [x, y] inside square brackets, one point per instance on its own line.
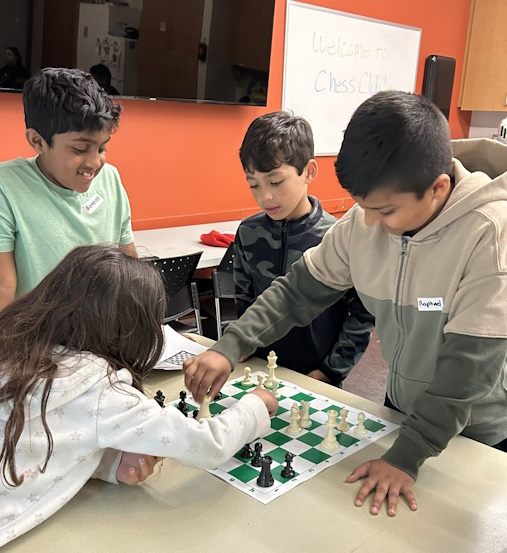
[398, 312]
[285, 246]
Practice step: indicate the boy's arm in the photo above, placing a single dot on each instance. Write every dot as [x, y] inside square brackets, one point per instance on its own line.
[129, 249]
[467, 370]
[352, 341]
[292, 300]
[8, 278]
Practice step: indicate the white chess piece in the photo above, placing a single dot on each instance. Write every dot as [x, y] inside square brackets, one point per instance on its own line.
[271, 369]
[204, 412]
[360, 429]
[275, 391]
[247, 381]
[329, 443]
[304, 415]
[294, 427]
[343, 425]
[260, 380]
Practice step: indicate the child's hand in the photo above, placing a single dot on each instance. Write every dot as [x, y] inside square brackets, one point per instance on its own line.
[135, 468]
[319, 375]
[204, 371]
[268, 398]
[388, 481]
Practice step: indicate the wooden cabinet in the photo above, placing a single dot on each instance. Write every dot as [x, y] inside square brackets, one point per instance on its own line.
[484, 80]
[251, 40]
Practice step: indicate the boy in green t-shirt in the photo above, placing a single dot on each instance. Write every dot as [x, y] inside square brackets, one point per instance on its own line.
[67, 196]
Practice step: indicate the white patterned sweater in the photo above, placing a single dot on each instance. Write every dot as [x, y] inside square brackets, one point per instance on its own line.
[87, 415]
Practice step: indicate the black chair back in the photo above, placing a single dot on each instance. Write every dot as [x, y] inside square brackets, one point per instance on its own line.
[223, 289]
[181, 293]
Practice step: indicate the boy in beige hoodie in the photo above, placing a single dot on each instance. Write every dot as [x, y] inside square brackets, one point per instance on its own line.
[426, 249]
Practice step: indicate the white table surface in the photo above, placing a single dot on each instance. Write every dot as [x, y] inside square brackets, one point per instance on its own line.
[173, 241]
[462, 498]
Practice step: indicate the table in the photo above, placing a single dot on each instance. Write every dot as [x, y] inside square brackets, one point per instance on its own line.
[462, 498]
[174, 241]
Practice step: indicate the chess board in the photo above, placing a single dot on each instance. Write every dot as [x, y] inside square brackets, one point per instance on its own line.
[179, 358]
[309, 458]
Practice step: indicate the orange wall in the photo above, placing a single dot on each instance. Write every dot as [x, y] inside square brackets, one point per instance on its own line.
[179, 161]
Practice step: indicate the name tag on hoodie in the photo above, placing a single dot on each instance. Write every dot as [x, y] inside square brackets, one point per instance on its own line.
[93, 203]
[430, 304]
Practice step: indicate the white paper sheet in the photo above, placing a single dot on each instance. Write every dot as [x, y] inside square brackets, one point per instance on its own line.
[177, 348]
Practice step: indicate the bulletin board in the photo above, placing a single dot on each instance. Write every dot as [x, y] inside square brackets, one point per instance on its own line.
[334, 61]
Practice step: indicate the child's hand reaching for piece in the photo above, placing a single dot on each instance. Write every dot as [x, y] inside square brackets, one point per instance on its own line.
[135, 468]
[206, 371]
[268, 398]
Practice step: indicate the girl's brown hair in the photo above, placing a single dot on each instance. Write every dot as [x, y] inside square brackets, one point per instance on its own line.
[97, 299]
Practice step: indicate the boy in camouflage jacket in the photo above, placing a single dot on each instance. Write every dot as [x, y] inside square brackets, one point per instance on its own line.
[277, 156]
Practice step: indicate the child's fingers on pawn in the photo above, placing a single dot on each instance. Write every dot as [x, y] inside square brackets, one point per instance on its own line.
[269, 399]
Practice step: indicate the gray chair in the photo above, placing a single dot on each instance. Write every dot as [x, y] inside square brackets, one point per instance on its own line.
[181, 292]
[223, 291]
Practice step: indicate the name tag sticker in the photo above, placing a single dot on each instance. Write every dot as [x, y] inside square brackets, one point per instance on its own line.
[93, 203]
[430, 304]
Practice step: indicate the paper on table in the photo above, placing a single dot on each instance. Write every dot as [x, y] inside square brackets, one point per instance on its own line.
[177, 348]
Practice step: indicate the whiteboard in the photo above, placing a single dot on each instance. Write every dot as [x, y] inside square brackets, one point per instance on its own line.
[334, 61]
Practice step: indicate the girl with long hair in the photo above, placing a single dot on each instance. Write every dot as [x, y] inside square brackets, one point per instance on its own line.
[74, 353]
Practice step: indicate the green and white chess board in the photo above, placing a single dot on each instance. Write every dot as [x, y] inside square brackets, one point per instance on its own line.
[309, 459]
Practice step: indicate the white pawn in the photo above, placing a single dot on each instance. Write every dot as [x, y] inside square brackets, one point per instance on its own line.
[204, 412]
[275, 391]
[260, 380]
[294, 427]
[247, 381]
[271, 369]
[360, 429]
[329, 443]
[343, 425]
[304, 416]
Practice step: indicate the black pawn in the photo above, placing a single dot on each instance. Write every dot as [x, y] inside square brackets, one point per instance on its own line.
[256, 461]
[265, 479]
[288, 471]
[246, 452]
[218, 396]
[160, 398]
[195, 412]
[182, 404]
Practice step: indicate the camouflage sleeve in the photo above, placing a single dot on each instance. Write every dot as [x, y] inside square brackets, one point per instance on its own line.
[352, 341]
[243, 280]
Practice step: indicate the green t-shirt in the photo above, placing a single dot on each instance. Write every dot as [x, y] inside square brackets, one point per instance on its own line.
[42, 222]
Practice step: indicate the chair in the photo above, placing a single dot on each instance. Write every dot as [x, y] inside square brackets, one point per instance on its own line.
[223, 291]
[181, 292]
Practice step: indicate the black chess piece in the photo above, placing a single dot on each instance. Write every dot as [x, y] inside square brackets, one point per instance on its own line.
[265, 479]
[195, 412]
[218, 396]
[160, 398]
[246, 452]
[256, 461]
[182, 404]
[288, 471]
